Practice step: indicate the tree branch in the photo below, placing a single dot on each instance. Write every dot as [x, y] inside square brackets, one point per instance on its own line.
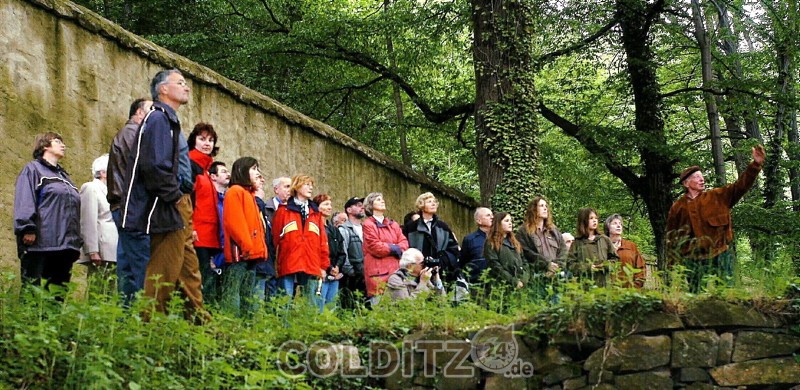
[578, 45]
[623, 172]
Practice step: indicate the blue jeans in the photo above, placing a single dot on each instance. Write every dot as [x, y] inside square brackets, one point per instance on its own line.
[329, 292]
[266, 286]
[133, 254]
[309, 283]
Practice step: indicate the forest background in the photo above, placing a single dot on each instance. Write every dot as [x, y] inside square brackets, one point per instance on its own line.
[592, 104]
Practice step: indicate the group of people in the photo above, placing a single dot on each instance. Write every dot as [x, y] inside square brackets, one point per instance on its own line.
[171, 217]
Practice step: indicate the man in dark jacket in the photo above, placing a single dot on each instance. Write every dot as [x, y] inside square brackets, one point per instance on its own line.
[472, 260]
[699, 225]
[159, 202]
[133, 248]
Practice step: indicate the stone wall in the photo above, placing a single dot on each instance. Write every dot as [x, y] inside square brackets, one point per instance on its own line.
[65, 69]
[709, 345]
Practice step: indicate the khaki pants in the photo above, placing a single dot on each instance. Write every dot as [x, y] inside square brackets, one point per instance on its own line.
[173, 264]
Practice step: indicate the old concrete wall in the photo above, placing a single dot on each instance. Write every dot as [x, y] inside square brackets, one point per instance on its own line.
[65, 69]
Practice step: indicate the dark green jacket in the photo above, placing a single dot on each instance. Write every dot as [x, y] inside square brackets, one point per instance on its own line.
[506, 265]
[584, 253]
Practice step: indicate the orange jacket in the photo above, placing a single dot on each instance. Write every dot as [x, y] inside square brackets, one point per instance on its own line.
[701, 228]
[243, 225]
[300, 247]
[629, 255]
[205, 218]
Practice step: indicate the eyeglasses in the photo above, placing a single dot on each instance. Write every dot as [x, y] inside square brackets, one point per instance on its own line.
[57, 141]
[182, 83]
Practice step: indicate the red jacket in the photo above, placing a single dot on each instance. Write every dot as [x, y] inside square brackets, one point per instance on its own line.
[384, 243]
[300, 247]
[243, 225]
[205, 218]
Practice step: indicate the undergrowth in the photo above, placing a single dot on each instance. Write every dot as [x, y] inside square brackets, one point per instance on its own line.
[89, 341]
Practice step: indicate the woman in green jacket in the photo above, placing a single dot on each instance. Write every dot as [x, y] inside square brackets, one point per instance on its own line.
[504, 253]
[591, 252]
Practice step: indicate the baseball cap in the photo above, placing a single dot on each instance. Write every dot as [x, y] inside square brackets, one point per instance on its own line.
[352, 201]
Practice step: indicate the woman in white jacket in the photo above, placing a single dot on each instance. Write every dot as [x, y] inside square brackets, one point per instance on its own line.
[97, 227]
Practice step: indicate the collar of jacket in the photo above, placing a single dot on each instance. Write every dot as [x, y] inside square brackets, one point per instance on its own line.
[171, 114]
[422, 227]
[296, 207]
[58, 168]
[386, 221]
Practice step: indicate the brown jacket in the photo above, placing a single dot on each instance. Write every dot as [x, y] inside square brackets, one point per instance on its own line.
[629, 254]
[701, 228]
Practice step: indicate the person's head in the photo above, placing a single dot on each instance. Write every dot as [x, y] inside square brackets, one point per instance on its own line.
[354, 207]
[302, 187]
[538, 210]
[613, 225]
[412, 260]
[568, 239]
[169, 87]
[339, 218]
[203, 138]
[139, 109]
[692, 179]
[427, 203]
[219, 173]
[282, 187]
[502, 229]
[587, 222]
[245, 173]
[49, 145]
[99, 166]
[374, 203]
[483, 217]
[325, 205]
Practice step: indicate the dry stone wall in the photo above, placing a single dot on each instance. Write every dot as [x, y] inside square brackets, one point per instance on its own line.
[65, 69]
[710, 345]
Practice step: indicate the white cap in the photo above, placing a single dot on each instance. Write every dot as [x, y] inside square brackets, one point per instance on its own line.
[99, 164]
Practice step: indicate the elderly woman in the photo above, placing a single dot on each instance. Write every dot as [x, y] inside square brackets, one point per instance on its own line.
[47, 215]
[98, 230]
[433, 237]
[384, 243]
[629, 256]
[337, 255]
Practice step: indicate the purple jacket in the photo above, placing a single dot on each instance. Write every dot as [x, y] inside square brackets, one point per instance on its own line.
[48, 204]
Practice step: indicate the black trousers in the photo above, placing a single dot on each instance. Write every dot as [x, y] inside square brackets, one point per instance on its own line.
[53, 267]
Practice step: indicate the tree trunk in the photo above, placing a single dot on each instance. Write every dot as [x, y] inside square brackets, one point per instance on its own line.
[635, 19]
[701, 35]
[773, 185]
[794, 156]
[505, 118]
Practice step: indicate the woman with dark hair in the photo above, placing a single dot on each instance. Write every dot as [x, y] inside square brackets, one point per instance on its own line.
[47, 209]
[543, 246]
[384, 243]
[330, 286]
[630, 258]
[504, 253]
[244, 229]
[205, 199]
[590, 253]
[301, 245]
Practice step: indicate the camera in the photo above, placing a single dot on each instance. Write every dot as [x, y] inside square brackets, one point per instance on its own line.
[430, 262]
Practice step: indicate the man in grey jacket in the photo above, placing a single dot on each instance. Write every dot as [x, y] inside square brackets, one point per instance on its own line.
[353, 239]
[133, 248]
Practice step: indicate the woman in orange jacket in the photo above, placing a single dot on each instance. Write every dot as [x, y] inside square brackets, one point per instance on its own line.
[300, 241]
[244, 236]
